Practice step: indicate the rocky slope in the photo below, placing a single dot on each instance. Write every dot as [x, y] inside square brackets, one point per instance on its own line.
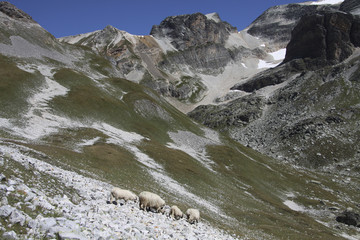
[42, 201]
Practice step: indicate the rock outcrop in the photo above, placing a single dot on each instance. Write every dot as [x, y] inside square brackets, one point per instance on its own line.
[327, 38]
[192, 30]
[276, 23]
[14, 12]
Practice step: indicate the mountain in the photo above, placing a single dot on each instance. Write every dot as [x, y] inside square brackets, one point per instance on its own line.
[185, 58]
[304, 110]
[71, 128]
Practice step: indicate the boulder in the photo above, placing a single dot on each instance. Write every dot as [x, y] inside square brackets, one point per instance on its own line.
[9, 236]
[349, 218]
[6, 210]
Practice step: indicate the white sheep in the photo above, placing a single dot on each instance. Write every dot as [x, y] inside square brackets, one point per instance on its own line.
[193, 215]
[118, 193]
[176, 213]
[149, 200]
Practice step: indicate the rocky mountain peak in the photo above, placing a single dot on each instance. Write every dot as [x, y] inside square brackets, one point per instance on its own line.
[13, 12]
[276, 23]
[327, 38]
[193, 29]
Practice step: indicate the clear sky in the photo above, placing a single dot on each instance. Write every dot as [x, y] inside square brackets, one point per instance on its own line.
[71, 17]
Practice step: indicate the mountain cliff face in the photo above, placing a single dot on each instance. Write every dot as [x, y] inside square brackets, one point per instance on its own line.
[276, 23]
[71, 128]
[329, 38]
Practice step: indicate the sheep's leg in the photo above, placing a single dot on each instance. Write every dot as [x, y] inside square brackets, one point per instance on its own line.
[111, 197]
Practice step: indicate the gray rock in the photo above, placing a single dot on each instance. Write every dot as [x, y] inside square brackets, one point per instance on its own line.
[3, 201]
[69, 235]
[12, 182]
[17, 217]
[46, 223]
[2, 177]
[33, 224]
[6, 210]
[9, 236]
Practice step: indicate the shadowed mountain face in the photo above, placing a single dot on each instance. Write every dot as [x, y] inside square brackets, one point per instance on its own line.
[69, 105]
[276, 23]
[329, 38]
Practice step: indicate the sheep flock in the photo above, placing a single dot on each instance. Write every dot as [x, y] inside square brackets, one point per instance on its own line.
[149, 201]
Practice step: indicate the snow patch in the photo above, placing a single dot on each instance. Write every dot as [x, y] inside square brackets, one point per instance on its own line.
[264, 64]
[214, 17]
[323, 2]
[89, 142]
[116, 135]
[279, 55]
[294, 206]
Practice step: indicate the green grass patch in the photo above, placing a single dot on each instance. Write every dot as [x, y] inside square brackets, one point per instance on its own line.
[16, 86]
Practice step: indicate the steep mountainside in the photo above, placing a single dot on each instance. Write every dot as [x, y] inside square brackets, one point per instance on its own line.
[71, 128]
[305, 110]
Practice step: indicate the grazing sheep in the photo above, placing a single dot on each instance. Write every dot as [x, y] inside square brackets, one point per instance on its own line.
[193, 215]
[118, 193]
[149, 200]
[176, 213]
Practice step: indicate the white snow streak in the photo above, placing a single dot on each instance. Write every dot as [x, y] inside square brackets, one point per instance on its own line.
[294, 206]
[89, 142]
[323, 2]
[264, 64]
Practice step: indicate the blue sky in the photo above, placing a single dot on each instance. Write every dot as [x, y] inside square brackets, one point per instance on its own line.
[70, 17]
